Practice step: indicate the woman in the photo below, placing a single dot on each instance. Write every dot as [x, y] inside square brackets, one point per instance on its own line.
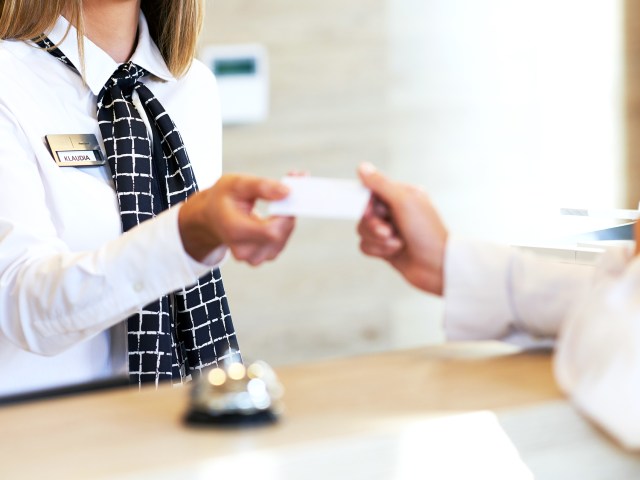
[494, 291]
[121, 74]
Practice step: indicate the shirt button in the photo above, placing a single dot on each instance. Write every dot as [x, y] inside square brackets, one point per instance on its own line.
[138, 286]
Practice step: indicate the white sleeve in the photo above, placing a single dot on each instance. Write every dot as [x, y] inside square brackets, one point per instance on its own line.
[51, 297]
[597, 360]
[501, 292]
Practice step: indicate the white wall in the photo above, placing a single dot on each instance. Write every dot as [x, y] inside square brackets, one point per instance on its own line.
[505, 110]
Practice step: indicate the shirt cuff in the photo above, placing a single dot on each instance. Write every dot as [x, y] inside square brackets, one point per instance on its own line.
[477, 304]
[213, 260]
[136, 268]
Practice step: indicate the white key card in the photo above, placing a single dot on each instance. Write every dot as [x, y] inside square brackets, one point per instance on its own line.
[322, 198]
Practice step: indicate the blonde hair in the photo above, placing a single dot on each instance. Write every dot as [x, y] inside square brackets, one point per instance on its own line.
[174, 24]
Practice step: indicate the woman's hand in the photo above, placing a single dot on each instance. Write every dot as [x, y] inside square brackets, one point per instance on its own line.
[223, 215]
[401, 226]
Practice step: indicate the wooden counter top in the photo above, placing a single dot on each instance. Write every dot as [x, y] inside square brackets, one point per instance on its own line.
[456, 407]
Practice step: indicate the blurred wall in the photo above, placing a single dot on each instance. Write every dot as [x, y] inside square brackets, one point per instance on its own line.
[329, 111]
[632, 91]
[505, 111]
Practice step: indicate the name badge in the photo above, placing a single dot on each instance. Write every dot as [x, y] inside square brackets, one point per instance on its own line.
[75, 150]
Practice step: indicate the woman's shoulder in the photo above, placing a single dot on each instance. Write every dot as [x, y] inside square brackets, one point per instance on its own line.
[15, 49]
[14, 56]
[17, 67]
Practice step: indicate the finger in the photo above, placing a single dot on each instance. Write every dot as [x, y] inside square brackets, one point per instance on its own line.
[385, 251]
[381, 186]
[263, 239]
[249, 253]
[379, 233]
[270, 252]
[380, 208]
[257, 254]
[246, 229]
[279, 228]
[375, 227]
[391, 244]
[368, 209]
[267, 230]
[257, 257]
[247, 187]
[376, 207]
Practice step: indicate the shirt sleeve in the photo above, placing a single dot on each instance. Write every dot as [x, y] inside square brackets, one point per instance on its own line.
[52, 297]
[500, 292]
[597, 361]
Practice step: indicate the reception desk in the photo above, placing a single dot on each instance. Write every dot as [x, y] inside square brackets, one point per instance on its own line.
[477, 410]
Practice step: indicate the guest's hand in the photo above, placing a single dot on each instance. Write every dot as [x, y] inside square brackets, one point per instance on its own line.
[224, 215]
[401, 226]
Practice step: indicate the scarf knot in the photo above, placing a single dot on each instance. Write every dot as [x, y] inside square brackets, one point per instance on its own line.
[126, 78]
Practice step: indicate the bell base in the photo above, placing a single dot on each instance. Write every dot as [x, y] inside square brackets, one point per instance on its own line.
[231, 420]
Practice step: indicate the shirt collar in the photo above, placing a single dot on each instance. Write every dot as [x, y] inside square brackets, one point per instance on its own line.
[99, 66]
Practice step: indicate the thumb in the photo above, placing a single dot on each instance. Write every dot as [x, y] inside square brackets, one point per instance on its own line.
[253, 188]
[381, 186]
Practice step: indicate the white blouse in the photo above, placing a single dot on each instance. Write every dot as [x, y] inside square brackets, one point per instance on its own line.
[593, 312]
[66, 271]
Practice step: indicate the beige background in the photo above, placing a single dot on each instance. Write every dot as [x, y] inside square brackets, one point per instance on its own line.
[632, 98]
[504, 111]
